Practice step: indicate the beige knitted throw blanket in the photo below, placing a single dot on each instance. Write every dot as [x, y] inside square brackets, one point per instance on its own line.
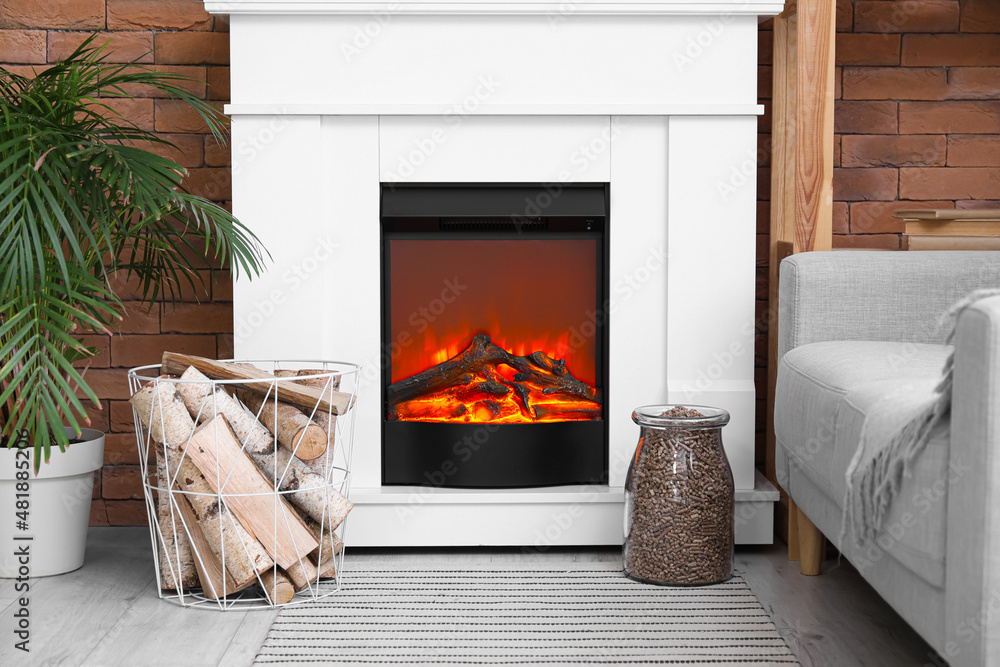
[893, 436]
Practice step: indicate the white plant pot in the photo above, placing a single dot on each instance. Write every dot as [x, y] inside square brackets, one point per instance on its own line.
[58, 508]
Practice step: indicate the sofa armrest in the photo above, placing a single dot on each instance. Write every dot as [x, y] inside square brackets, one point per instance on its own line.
[972, 556]
[873, 295]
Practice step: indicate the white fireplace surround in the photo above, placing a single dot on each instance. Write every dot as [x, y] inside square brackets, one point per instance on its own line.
[329, 99]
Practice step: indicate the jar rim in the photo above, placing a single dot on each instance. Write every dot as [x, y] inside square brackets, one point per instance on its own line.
[654, 415]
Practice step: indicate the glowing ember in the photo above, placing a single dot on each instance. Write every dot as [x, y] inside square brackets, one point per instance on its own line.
[487, 383]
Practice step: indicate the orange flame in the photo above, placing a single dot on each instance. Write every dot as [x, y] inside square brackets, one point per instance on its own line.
[496, 396]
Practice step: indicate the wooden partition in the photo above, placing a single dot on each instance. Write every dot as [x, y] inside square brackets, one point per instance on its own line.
[801, 173]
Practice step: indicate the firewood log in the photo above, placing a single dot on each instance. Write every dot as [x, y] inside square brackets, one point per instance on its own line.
[277, 463]
[326, 421]
[175, 545]
[215, 581]
[329, 543]
[277, 587]
[310, 492]
[302, 574]
[164, 416]
[250, 495]
[292, 427]
[202, 403]
[327, 569]
[176, 560]
[302, 396]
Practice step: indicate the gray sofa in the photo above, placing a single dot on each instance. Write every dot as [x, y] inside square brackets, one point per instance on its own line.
[853, 327]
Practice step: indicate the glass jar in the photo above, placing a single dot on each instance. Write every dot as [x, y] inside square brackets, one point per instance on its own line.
[679, 498]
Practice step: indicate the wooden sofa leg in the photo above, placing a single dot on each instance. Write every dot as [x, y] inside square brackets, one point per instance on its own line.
[793, 530]
[812, 544]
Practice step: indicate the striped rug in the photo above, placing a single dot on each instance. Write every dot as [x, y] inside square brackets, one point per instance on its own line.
[590, 614]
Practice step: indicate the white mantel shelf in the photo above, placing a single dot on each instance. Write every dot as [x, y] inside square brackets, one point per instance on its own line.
[496, 109]
[660, 8]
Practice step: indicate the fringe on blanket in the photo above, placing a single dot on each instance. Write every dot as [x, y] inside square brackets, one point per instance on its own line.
[886, 451]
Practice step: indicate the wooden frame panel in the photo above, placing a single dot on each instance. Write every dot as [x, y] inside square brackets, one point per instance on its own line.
[801, 175]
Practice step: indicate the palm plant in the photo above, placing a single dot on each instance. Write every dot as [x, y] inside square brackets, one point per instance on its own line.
[85, 208]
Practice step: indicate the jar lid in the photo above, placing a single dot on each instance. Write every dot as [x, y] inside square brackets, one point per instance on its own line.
[681, 416]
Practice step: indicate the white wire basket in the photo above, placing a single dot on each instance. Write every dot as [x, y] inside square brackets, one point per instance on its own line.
[247, 481]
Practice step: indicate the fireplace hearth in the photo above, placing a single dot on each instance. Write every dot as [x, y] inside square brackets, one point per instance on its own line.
[493, 314]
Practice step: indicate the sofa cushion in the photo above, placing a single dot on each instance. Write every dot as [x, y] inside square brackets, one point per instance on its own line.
[825, 391]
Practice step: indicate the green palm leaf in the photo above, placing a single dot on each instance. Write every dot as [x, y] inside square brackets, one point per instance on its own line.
[79, 204]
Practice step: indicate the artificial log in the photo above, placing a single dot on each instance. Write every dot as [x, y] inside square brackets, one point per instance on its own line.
[168, 423]
[215, 448]
[481, 359]
[291, 426]
[277, 587]
[257, 381]
[542, 411]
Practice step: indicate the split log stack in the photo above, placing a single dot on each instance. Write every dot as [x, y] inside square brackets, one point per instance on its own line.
[236, 442]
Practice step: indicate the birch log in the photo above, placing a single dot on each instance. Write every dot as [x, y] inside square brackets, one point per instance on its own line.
[310, 492]
[258, 381]
[248, 494]
[277, 587]
[215, 581]
[302, 574]
[293, 428]
[175, 545]
[242, 554]
[323, 419]
[327, 569]
[203, 403]
[310, 489]
[176, 560]
[329, 544]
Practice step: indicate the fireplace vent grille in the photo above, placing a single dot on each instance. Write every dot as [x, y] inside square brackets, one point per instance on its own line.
[494, 224]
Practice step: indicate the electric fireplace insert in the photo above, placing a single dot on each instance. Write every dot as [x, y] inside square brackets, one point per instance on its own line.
[494, 332]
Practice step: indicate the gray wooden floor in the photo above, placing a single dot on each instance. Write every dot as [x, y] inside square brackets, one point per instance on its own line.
[108, 613]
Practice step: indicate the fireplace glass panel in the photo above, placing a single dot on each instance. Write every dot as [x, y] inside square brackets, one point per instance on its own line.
[528, 296]
[495, 337]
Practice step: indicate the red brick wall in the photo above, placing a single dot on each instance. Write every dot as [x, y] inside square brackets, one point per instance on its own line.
[917, 121]
[189, 40]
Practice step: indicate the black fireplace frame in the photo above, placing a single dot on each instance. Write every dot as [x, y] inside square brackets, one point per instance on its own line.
[483, 455]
